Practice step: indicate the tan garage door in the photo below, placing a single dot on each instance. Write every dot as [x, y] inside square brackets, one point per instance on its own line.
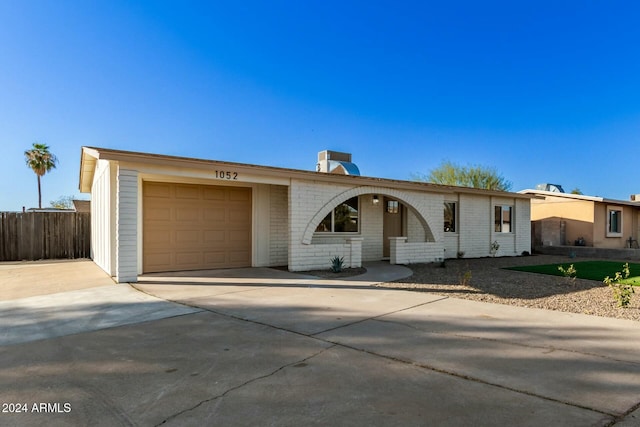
[193, 227]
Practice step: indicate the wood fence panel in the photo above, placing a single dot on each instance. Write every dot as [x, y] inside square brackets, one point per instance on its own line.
[44, 235]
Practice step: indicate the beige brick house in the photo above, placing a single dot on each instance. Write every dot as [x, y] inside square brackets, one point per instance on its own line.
[153, 213]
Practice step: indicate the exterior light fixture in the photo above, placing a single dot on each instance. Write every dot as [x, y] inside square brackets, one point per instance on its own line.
[375, 199]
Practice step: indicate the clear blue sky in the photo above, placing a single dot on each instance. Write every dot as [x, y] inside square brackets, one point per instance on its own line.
[544, 91]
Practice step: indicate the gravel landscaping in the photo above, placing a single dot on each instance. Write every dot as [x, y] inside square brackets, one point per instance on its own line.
[487, 281]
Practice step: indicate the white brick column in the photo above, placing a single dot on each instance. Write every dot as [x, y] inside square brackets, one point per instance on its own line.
[126, 225]
[396, 254]
[355, 250]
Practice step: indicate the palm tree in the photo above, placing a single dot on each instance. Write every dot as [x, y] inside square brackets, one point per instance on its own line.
[41, 161]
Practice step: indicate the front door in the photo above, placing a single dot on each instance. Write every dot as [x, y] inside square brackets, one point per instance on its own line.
[392, 224]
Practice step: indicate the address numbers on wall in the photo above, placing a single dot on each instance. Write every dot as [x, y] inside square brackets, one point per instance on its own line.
[230, 175]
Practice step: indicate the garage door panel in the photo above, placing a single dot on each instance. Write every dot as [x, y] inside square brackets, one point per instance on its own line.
[157, 190]
[159, 237]
[189, 227]
[214, 236]
[157, 260]
[188, 192]
[188, 214]
[239, 216]
[213, 214]
[238, 238]
[191, 237]
[217, 258]
[239, 195]
[188, 259]
[238, 257]
[153, 213]
[214, 193]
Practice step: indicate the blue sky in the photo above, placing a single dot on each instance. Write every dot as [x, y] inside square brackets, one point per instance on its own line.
[544, 91]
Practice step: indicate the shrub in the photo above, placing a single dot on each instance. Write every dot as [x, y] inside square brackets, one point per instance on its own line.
[495, 246]
[622, 292]
[569, 273]
[465, 278]
[336, 264]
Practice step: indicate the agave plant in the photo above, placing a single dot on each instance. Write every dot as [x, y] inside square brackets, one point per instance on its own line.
[337, 263]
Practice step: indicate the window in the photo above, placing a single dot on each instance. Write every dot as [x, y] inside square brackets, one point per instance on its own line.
[392, 206]
[614, 222]
[343, 219]
[450, 217]
[503, 219]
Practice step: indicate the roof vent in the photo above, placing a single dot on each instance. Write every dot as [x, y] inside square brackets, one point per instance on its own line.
[336, 162]
[554, 188]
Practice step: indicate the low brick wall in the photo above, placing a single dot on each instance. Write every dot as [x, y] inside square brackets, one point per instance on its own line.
[589, 252]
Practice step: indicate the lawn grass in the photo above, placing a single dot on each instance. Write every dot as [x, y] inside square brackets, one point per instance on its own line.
[591, 270]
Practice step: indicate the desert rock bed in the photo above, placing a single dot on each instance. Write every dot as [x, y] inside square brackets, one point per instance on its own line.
[488, 281]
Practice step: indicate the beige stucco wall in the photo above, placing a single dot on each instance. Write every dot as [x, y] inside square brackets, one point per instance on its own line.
[629, 226]
[579, 210]
[576, 215]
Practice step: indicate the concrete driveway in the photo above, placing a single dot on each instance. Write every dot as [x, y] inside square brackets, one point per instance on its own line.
[271, 348]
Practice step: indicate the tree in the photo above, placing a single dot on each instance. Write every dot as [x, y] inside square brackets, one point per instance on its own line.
[576, 191]
[474, 176]
[41, 161]
[63, 202]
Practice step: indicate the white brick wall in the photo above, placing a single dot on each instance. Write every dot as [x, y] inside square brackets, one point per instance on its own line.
[371, 220]
[451, 245]
[474, 224]
[126, 225]
[310, 202]
[477, 229]
[415, 230]
[279, 226]
[404, 252]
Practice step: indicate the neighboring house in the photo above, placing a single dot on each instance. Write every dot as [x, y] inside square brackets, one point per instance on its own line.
[82, 205]
[577, 220]
[154, 213]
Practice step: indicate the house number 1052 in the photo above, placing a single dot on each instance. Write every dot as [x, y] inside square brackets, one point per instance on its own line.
[226, 175]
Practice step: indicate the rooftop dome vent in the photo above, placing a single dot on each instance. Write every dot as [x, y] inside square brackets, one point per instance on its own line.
[554, 188]
[337, 163]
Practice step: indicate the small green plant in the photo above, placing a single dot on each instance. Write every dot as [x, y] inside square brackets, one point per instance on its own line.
[622, 292]
[465, 278]
[569, 273]
[337, 263]
[495, 246]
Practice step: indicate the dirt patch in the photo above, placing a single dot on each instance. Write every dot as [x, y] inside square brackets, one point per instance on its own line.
[485, 279]
[346, 272]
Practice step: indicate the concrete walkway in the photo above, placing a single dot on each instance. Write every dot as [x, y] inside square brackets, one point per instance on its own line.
[66, 313]
[272, 348]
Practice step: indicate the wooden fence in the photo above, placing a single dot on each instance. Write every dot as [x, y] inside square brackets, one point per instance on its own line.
[44, 235]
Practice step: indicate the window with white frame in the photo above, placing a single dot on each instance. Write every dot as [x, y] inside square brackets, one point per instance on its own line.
[450, 217]
[614, 222]
[503, 217]
[343, 219]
